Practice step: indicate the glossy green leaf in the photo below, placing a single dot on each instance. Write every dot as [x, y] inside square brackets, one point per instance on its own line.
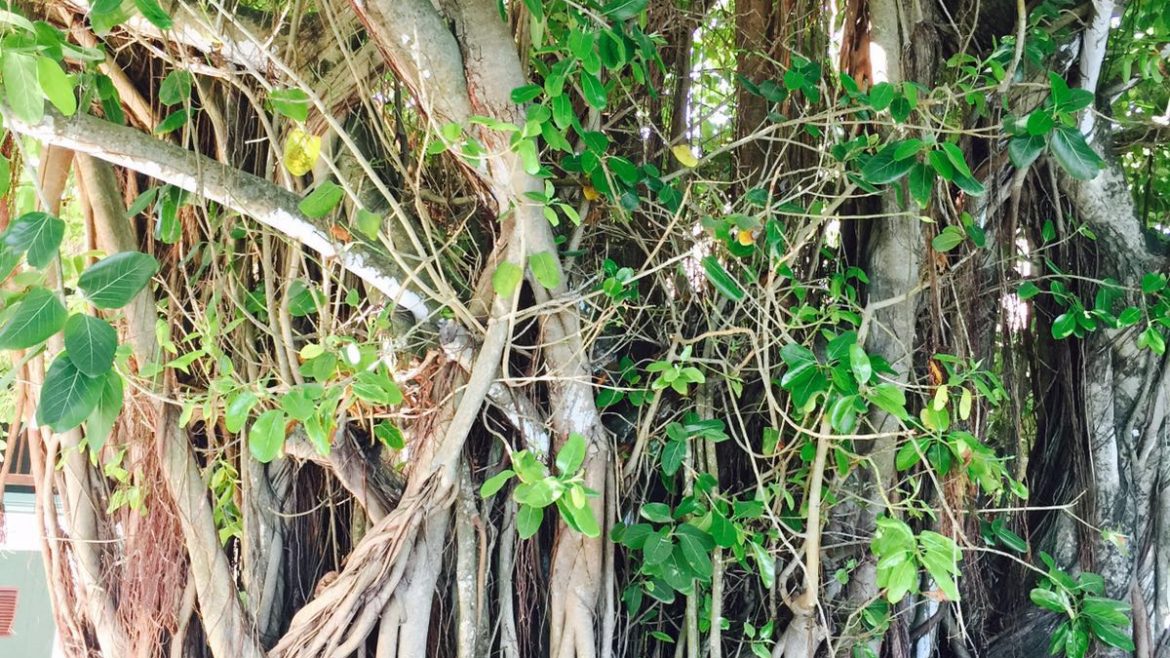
[571, 455]
[39, 315]
[528, 520]
[322, 200]
[266, 437]
[594, 91]
[113, 281]
[154, 13]
[90, 343]
[921, 183]
[1074, 154]
[175, 88]
[948, 239]
[1024, 150]
[545, 269]
[884, 168]
[506, 279]
[67, 396]
[292, 103]
[721, 279]
[235, 415]
[22, 91]
[173, 122]
[492, 485]
[56, 85]
[37, 233]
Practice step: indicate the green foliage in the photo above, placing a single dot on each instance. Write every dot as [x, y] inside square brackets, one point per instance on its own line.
[1090, 616]
[538, 489]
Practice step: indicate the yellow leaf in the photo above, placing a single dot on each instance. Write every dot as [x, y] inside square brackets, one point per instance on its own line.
[591, 193]
[301, 151]
[683, 153]
[746, 238]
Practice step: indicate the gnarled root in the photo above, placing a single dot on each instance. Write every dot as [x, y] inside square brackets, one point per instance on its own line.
[386, 572]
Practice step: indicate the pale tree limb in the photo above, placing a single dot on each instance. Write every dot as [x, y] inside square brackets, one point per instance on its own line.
[247, 194]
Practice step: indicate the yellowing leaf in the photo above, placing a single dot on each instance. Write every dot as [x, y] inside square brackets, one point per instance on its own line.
[745, 238]
[591, 193]
[301, 151]
[683, 154]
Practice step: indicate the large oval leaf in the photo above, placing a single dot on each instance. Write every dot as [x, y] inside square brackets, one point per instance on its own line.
[37, 233]
[112, 282]
[266, 437]
[37, 317]
[21, 89]
[90, 343]
[1074, 153]
[67, 396]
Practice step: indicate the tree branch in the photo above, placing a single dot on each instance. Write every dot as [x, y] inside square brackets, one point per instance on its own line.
[242, 192]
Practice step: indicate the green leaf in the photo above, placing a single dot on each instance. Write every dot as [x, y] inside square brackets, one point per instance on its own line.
[656, 512]
[154, 13]
[541, 493]
[1011, 539]
[721, 279]
[104, 15]
[90, 343]
[292, 103]
[884, 167]
[322, 200]
[496, 482]
[175, 88]
[673, 454]
[1028, 290]
[859, 363]
[695, 546]
[67, 396]
[506, 278]
[528, 520]
[621, 10]
[579, 516]
[881, 95]
[658, 547]
[235, 416]
[37, 316]
[921, 183]
[525, 94]
[571, 455]
[1153, 283]
[948, 239]
[56, 85]
[1049, 600]
[1114, 636]
[101, 420]
[955, 156]
[368, 223]
[594, 92]
[1024, 150]
[112, 282]
[1074, 154]
[889, 398]
[376, 387]
[37, 233]
[545, 269]
[21, 88]
[1064, 325]
[172, 122]
[390, 435]
[266, 437]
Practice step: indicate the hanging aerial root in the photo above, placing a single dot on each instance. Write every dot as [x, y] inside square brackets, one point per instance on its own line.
[345, 612]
